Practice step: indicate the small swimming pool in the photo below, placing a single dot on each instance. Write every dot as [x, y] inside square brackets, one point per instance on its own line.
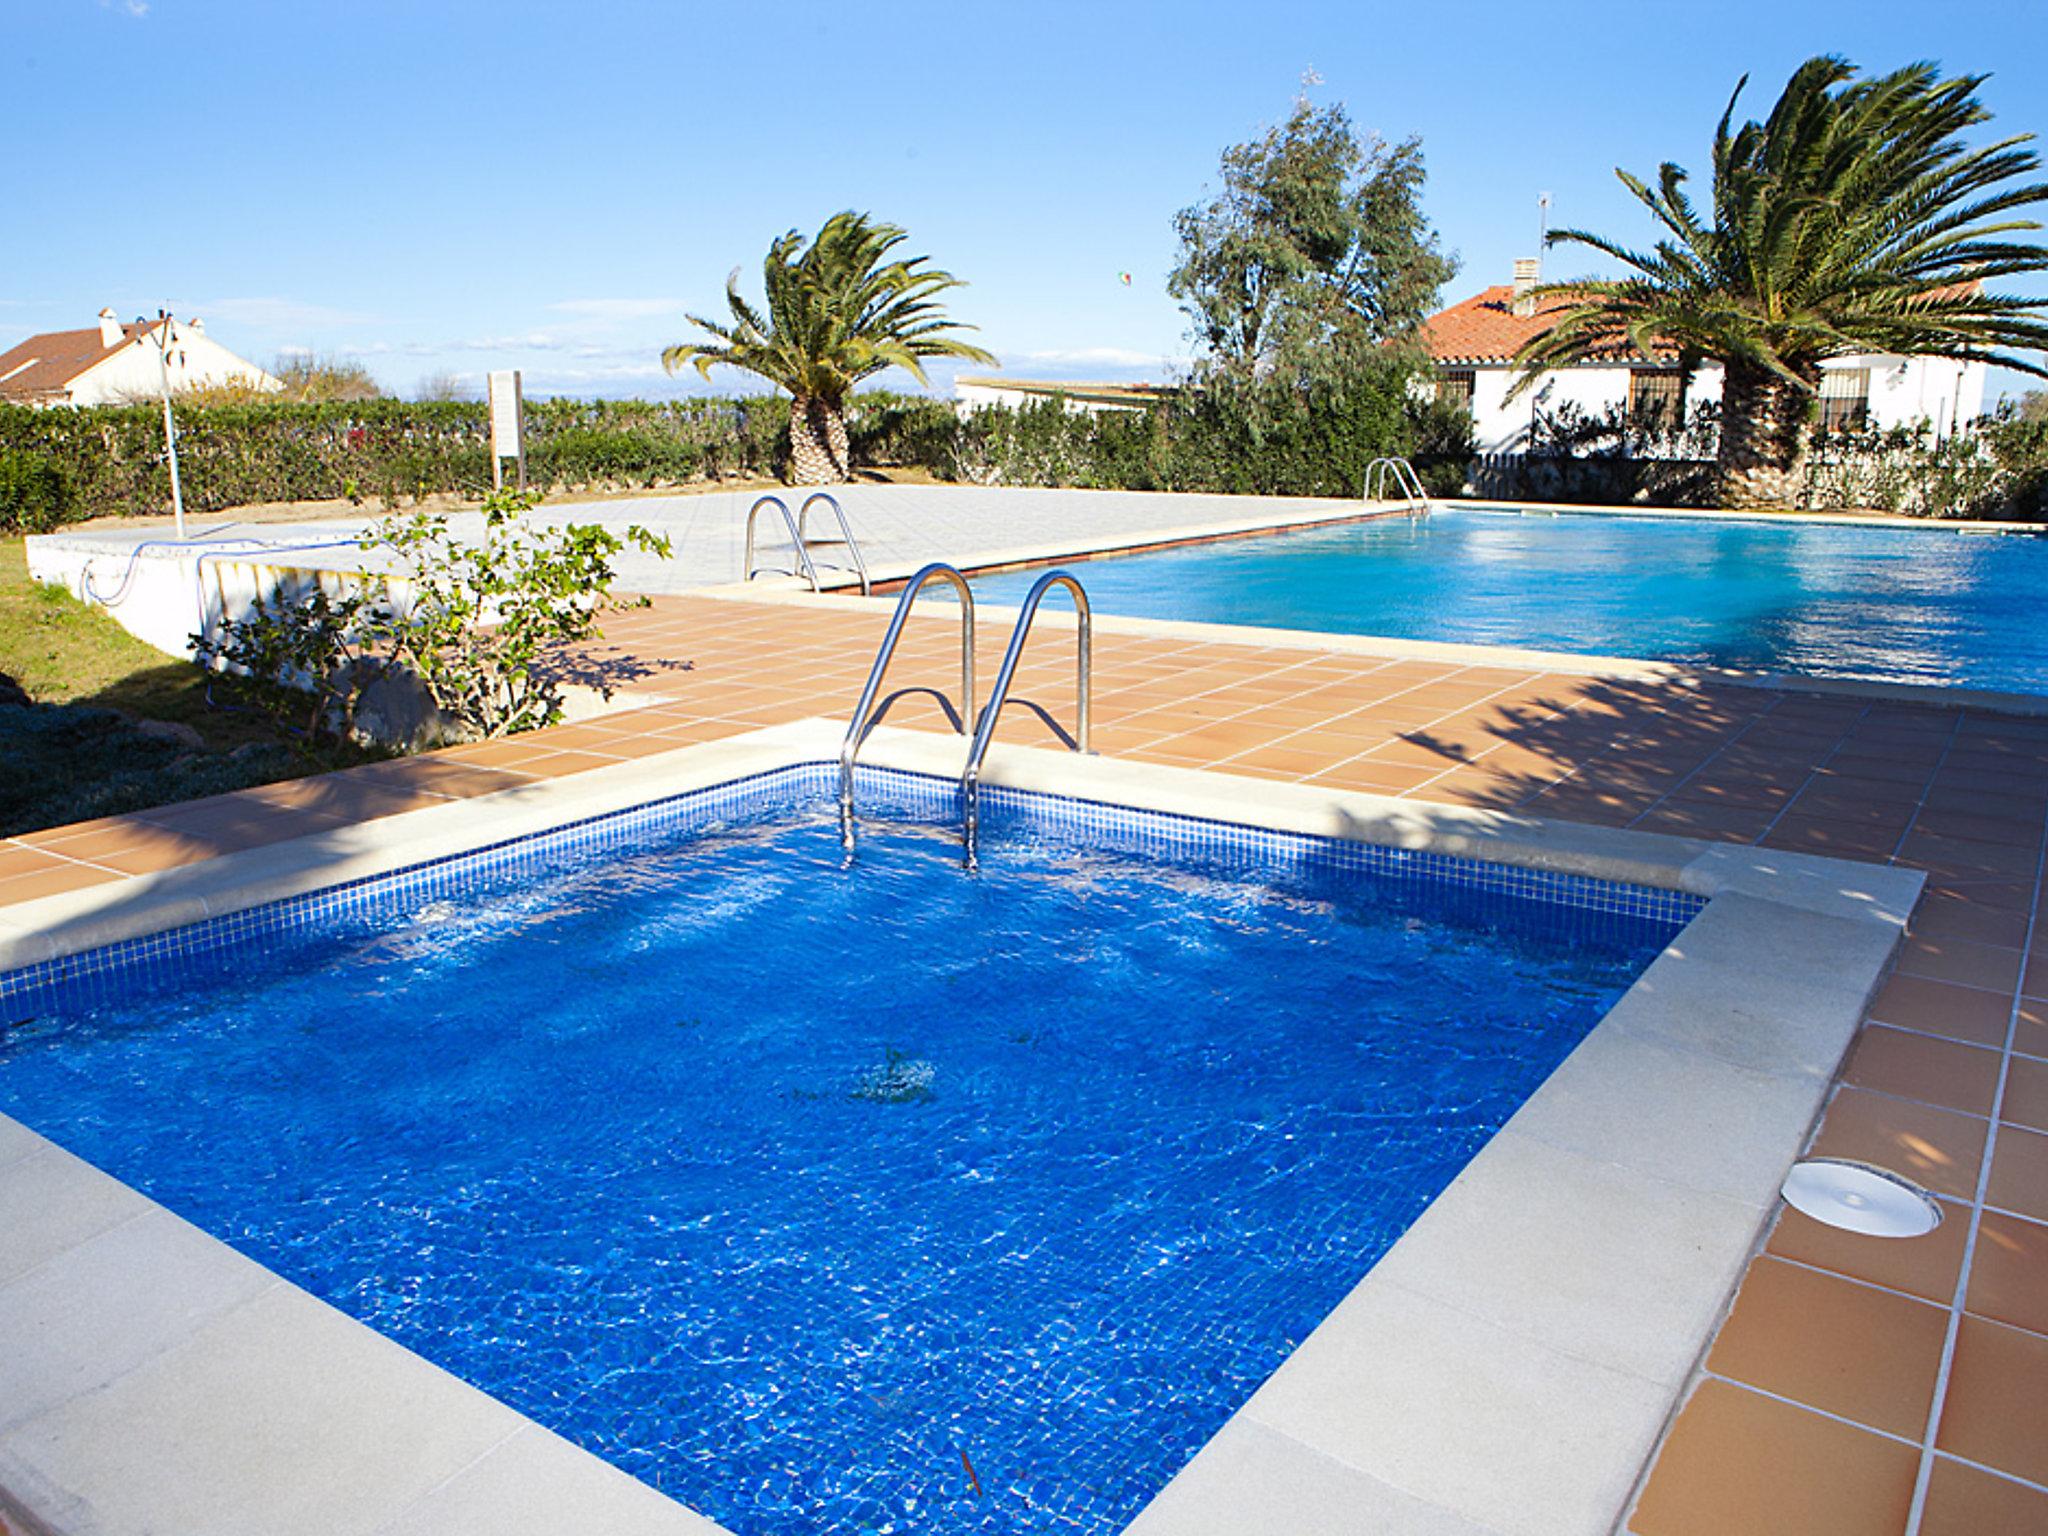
[1888, 604]
[842, 1197]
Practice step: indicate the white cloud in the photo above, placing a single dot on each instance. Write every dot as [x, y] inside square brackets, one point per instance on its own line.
[133, 8]
[1104, 357]
[618, 309]
[273, 313]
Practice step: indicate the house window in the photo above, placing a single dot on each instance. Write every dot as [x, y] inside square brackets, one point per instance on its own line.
[1456, 385]
[1655, 396]
[1844, 399]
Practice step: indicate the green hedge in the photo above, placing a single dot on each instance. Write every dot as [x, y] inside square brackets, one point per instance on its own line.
[111, 458]
[1266, 438]
[1257, 440]
[63, 465]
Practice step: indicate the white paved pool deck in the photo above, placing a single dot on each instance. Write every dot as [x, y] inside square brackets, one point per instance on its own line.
[1503, 1371]
[162, 588]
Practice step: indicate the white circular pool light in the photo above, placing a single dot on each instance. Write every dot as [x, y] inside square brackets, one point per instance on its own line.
[1860, 1198]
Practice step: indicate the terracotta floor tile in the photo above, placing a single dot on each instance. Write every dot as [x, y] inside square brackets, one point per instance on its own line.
[1866, 1354]
[1740, 1464]
[110, 836]
[1292, 761]
[18, 860]
[1991, 967]
[2026, 1094]
[2030, 1031]
[1926, 1267]
[555, 765]
[1374, 776]
[2009, 1272]
[1997, 1400]
[1947, 917]
[1833, 839]
[490, 754]
[1963, 1500]
[1943, 1008]
[53, 880]
[1936, 1148]
[2019, 1173]
[1914, 1066]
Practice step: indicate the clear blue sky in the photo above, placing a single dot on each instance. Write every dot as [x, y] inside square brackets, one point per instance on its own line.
[460, 186]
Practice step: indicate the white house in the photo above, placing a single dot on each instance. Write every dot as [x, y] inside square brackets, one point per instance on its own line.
[1474, 343]
[117, 364]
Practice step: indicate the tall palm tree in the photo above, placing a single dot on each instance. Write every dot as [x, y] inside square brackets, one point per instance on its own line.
[839, 310]
[1854, 219]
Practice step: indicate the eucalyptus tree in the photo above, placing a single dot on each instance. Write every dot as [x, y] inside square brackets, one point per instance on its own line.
[840, 308]
[1314, 252]
[1855, 218]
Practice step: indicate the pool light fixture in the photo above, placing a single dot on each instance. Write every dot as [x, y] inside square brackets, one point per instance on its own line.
[1857, 1197]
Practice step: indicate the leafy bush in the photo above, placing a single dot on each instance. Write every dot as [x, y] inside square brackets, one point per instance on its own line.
[306, 658]
[35, 496]
[480, 618]
[111, 458]
[472, 622]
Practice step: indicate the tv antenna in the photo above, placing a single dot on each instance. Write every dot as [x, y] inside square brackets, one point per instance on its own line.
[1542, 223]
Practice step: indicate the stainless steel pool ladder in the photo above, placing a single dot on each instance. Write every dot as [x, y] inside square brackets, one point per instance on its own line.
[1405, 480]
[857, 729]
[800, 539]
[985, 728]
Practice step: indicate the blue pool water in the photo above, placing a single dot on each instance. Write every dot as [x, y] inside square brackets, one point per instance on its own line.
[786, 1185]
[1897, 605]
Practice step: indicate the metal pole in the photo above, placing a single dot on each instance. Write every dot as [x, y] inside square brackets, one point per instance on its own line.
[163, 364]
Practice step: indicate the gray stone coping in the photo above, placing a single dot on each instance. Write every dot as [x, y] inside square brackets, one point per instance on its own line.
[1504, 1370]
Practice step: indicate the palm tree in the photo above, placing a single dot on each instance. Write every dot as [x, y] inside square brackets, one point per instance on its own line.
[838, 311]
[1853, 220]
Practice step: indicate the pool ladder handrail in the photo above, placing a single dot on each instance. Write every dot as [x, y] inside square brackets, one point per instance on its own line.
[857, 728]
[845, 540]
[798, 528]
[985, 727]
[1406, 481]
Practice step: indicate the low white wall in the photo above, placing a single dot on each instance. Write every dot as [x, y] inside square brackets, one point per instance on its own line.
[164, 593]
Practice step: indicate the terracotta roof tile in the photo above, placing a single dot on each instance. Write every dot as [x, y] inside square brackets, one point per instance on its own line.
[43, 367]
[1486, 329]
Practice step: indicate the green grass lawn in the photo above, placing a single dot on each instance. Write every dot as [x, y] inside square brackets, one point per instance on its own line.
[78, 749]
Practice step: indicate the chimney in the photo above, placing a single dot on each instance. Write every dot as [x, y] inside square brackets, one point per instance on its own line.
[110, 328]
[196, 326]
[1528, 272]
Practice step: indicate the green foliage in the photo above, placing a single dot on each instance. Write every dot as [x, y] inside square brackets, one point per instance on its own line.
[479, 618]
[306, 658]
[475, 622]
[1999, 471]
[35, 494]
[1267, 437]
[840, 309]
[110, 458]
[1315, 251]
[1854, 219]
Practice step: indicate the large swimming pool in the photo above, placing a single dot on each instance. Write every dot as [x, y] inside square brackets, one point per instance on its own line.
[1893, 604]
[868, 1197]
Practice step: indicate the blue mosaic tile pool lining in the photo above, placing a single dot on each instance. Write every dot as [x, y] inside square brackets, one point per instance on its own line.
[829, 1197]
[97, 977]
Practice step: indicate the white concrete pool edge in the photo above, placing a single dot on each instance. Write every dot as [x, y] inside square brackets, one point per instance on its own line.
[1505, 1369]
